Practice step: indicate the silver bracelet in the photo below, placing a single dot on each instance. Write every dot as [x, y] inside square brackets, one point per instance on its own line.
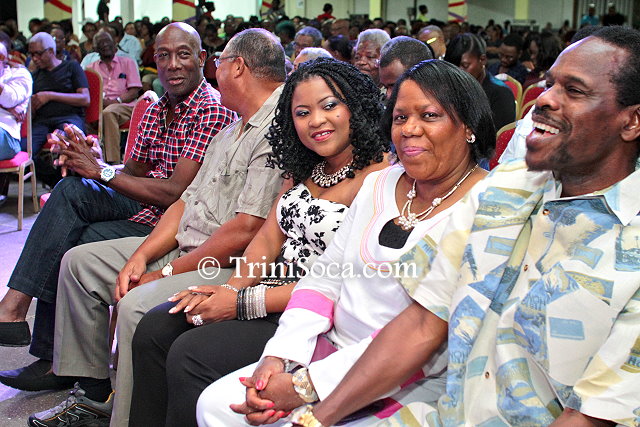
[254, 301]
[228, 286]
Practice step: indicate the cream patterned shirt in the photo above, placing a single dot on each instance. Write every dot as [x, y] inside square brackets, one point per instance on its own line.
[545, 310]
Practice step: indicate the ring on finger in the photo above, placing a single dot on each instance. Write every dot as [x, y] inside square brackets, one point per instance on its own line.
[197, 320]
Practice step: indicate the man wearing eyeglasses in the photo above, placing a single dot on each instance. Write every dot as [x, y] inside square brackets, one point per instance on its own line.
[60, 90]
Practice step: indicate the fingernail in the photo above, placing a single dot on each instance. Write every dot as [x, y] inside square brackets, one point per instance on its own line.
[260, 385]
[271, 405]
[270, 413]
[242, 379]
[187, 308]
[192, 287]
[280, 414]
[173, 310]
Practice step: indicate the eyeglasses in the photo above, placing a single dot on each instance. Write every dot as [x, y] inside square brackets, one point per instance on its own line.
[39, 52]
[218, 61]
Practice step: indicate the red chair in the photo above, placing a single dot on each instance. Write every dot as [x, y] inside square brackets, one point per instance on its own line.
[526, 107]
[502, 140]
[93, 112]
[19, 163]
[530, 94]
[136, 116]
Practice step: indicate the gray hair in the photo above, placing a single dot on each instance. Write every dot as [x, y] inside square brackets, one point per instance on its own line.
[314, 33]
[373, 35]
[261, 51]
[314, 52]
[45, 40]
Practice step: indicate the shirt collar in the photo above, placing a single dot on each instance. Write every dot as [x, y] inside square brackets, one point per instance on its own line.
[115, 60]
[622, 197]
[191, 101]
[266, 109]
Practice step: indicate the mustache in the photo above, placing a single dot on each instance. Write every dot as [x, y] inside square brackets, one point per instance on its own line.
[542, 115]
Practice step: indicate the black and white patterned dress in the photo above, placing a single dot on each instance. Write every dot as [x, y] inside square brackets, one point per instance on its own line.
[309, 224]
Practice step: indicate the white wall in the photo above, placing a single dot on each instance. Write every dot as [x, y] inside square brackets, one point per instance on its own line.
[28, 9]
[313, 8]
[479, 11]
[244, 8]
[154, 9]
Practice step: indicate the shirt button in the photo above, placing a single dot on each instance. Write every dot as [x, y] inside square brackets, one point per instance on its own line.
[196, 203]
[545, 212]
[487, 375]
[526, 267]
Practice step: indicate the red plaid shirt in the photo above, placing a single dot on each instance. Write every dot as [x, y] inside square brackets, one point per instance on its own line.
[196, 121]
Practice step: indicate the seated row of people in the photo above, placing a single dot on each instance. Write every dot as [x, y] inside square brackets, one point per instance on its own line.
[502, 279]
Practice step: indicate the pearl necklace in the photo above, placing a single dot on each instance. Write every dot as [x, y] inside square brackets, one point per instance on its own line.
[324, 180]
[409, 220]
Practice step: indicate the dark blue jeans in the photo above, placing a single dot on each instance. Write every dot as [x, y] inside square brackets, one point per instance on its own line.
[78, 211]
[41, 127]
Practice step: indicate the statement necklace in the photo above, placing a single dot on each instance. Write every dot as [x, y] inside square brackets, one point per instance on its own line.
[409, 220]
[324, 180]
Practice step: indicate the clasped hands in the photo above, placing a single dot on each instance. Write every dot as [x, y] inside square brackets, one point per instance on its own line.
[78, 152]
[270, 395]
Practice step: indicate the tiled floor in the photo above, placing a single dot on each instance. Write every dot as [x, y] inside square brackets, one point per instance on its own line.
[16, 405]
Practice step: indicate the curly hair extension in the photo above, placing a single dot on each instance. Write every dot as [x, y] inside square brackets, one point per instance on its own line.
[357, 91]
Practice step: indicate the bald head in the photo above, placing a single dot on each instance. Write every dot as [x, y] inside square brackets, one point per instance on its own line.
[189, 33]
[434, 37]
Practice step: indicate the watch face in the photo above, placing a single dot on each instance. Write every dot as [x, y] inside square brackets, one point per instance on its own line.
[167, 270]
[107, 174]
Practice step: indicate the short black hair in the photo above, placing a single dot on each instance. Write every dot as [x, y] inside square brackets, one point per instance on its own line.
[356, 90]
[286, 27]
[514, 40]
[627, 78]
[341, 45]
[464, 43]
[327, 7]
[407, 50]
[460, 95]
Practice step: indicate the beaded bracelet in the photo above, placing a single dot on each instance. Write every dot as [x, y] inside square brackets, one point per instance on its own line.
[250, 303]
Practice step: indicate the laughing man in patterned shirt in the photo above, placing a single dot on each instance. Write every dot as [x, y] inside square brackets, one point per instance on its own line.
[537, 285]
[104, 203]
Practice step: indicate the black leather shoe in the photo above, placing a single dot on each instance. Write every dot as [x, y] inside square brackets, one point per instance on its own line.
[14, 334]
[36, 377]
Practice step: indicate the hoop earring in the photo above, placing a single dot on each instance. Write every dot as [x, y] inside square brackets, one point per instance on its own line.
[471, 139]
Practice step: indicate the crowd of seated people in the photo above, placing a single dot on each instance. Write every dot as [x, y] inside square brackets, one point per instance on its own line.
[312, 196]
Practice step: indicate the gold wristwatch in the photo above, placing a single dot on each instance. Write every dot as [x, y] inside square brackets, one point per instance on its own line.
[304, 416]
[302, 385]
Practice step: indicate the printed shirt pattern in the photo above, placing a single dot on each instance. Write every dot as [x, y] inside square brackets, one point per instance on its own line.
[545, 313]
[196, 121]
[309, 224]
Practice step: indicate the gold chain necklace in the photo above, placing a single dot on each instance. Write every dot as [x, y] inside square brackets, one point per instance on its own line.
[409, 220]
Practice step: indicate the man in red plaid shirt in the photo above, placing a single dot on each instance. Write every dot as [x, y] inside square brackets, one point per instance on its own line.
[105, 203]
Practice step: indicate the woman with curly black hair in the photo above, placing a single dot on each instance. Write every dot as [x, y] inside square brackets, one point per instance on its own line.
[325, 137]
